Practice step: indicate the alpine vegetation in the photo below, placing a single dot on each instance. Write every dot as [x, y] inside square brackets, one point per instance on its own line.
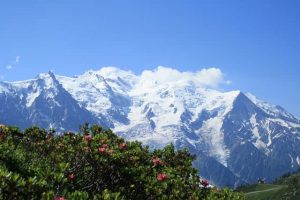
[95, 164]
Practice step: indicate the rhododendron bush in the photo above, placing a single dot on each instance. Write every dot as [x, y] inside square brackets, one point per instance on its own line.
[95, 164]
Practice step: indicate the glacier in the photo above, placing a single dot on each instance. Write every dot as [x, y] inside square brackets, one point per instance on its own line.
[236, 137]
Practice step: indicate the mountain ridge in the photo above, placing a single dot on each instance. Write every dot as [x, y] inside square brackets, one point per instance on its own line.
[229, 130]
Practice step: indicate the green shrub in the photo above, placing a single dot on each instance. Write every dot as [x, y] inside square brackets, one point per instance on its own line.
[95, 164]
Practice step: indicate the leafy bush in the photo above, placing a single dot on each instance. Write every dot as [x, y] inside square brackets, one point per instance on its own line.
[95, 164]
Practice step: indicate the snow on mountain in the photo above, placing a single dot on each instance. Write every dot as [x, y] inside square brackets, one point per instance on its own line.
[237, 137]
[42, 101]
[101, 96]
[271, 109]
[90, 90]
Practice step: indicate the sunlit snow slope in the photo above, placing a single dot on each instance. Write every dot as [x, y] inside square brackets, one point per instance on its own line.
[237, 138]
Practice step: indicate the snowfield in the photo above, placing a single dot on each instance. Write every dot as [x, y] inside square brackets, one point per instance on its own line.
[228, 130]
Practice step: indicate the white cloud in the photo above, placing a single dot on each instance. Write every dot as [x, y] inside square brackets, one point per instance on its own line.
[207, 77]
[17, 60]
[13, 63]
[161, 77]
[8, 67]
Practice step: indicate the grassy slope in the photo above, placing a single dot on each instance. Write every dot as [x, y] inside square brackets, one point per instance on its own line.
[268, 191]
[287, 187]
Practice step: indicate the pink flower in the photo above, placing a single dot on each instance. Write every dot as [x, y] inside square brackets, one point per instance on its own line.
[102, 150]
[122, 146]
[59, 198]
[71, 176]
[204, 183]
[104, 145]
[161, 177]
[88, 137]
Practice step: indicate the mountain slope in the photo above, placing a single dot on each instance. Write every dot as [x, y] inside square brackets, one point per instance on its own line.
[268, 144]
[233, 134]
[43, 102]
[285, 187]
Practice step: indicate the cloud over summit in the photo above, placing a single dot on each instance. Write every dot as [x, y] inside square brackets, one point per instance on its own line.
[159, 77]
[206, 77]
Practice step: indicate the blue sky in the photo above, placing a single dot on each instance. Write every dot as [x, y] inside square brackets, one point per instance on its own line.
[256, 43]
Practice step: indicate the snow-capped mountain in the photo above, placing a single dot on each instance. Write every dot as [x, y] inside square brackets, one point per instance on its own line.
[236, 137]
[41, 101]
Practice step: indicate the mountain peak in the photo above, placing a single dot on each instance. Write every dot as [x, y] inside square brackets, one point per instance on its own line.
[271, 109]
[165, 106]
[113, 71]
[47, 80]
[48, 75]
